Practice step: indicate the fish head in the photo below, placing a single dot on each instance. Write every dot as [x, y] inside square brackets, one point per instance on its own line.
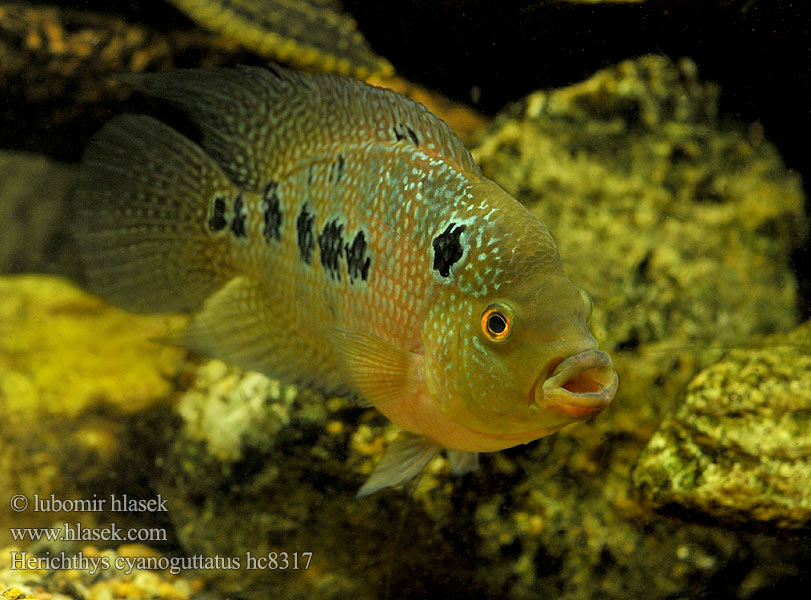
[517, 353]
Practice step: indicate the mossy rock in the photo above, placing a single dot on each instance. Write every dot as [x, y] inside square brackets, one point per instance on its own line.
[679, 225]
[738, 448]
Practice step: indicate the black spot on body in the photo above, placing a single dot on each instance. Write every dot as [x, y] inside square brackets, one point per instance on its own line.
[402, 132]
[238, 222]
[306, 237]
[331, 244]
[216, 221]
[448, 249]
[357, 259]
[272, 213]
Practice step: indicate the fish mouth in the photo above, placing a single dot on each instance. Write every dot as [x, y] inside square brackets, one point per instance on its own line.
[580, 386]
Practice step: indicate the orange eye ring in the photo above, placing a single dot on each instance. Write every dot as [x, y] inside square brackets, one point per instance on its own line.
[497, 322]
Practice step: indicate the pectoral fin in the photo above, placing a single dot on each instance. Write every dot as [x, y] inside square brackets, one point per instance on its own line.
[379, 371]
[403, 460]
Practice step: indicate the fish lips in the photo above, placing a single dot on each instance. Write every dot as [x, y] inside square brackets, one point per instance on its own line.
[580, 386]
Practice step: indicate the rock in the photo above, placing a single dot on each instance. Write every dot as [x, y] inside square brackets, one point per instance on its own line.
[33, 196]
[694, 220]
[82, 392]
[738, 448]
[57, 67]
[90, 573]
[258, 467]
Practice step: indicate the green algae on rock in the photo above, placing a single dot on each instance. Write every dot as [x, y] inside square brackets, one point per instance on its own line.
[314, 34]
[258, 466]
[82, 387]
[694, 218]
[100, 574]
[63, 351]
[738, 447]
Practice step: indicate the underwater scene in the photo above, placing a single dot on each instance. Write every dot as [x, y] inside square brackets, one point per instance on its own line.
[409, 299]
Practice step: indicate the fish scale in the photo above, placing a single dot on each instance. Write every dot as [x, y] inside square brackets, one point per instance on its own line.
[373, 302]
[337, 235]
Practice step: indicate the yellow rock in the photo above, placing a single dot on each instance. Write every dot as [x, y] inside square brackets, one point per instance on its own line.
[137, 551]
[75, 375]
[63, 351]
[127, 589]
[167, 591]
[15, 594]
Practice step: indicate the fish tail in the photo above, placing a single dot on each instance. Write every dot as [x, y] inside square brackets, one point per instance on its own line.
[146, 215]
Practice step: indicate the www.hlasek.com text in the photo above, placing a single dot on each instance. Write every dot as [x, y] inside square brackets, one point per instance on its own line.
[76, 532]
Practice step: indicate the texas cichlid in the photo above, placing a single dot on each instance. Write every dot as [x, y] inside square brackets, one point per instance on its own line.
[338, 235]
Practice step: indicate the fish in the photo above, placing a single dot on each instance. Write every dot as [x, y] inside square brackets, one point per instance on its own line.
[338, 235]
[315, 34]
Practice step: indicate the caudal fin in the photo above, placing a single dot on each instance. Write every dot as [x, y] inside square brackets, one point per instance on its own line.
[142, 213]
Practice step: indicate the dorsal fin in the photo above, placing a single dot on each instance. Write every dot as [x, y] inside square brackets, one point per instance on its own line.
[258, 122]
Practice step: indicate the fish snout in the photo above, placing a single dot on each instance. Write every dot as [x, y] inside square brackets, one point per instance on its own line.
[580, 386]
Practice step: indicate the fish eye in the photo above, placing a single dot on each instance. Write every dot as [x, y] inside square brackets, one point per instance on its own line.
[584, 296]
[497, 322]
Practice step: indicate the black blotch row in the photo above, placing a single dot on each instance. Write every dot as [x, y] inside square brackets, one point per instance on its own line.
[238, 222]
[357, 259]
[306, 237]
[331, 244]
[447, 249]
[413, 136]
[217, 222]
[272, 213]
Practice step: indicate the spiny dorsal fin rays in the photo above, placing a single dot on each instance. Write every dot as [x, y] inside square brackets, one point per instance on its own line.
[260, 122]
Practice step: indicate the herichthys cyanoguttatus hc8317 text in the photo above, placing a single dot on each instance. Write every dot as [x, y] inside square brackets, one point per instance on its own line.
[338, 235]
